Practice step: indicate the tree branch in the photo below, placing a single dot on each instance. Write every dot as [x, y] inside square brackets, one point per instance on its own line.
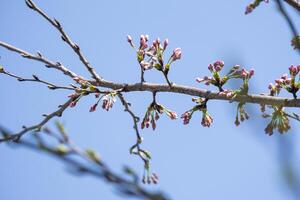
[98, 169]
[181, 89]
[57, 113]
[294, 3]
[288, 19]
[39, 57]
[36, 79]
[65, 38]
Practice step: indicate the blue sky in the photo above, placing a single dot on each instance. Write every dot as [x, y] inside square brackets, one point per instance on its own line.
[221, 162]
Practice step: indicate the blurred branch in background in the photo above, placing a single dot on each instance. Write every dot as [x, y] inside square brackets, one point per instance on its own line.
[296, 38]
[88, 162]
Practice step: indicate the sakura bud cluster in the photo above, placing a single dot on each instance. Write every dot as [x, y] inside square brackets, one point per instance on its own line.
[108, 101]
[153, 114]
[152, 56]
[253, 5]
[279, 121]
[241, 114]
[201, 106]
[217, 80]
[288, 83]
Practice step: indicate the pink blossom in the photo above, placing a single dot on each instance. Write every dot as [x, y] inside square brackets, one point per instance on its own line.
[176, 54]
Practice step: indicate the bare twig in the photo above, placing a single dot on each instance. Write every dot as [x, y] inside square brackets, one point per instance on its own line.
[65, 38]
[37, 79]
[57, 113]
[288, 19]
[39, 57]
[294, 3]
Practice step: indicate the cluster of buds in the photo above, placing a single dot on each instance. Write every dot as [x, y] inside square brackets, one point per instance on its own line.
[296, 42]
[253, 5]
[152, 115]
[153, 56]
[279, 120]
[108, 101]
[218, 81]
[288, 83]
[241, 114]
[75, 97]
[201, 106]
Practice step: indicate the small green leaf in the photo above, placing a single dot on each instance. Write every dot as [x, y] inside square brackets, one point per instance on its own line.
[92, 155]
[61, 149]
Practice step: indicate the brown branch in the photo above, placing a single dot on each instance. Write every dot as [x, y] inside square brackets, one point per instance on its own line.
[294, 3]
[65, 38]
[58, 113]
[39, 57]
[187, 90]
[36, 79]
[135, 126]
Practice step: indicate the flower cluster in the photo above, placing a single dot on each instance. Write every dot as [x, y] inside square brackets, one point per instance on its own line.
[241, 114]
[279, 120]
[152, 115]
[219, 81]
[288, 83]
[108, 101]
[152, 56]
[201, 106]
[253, 5]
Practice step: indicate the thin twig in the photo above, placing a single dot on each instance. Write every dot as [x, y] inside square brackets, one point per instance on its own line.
[288, 20]
[65, 38]
[37, 79]
[39, 57]
[57, 113]
[294, 3]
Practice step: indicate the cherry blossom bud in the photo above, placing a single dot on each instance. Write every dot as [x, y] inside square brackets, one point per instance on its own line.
[145, 65]
[199, 80]
[293, 70]
[93, 108]
[73, 104]
[166, 43]
[251, 72]
[244, 73]
[270, 86]
[143, 42]
[249, 9]
[129, 40]
[176, 54]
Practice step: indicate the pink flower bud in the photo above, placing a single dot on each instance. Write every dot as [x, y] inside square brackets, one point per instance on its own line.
[166, 43]
[270, 86]
[199, 80]
[73, 104]
[129, 39]
[176, 54]
[251, 72]
[293, 70]
[93, 108]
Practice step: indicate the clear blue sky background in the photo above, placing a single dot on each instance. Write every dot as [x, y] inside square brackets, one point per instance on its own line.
[221, 162]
